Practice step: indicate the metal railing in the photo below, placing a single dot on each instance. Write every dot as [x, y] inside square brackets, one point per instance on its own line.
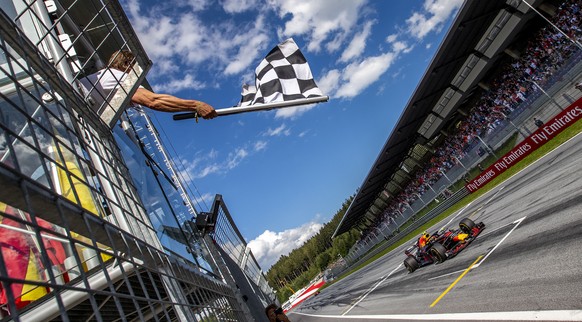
[230, 240]
[77, 241]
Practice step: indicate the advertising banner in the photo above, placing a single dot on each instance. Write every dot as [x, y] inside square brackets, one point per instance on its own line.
[542, 135]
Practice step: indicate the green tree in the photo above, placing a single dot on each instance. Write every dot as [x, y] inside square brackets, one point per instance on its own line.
[322, 260]
[303, 264]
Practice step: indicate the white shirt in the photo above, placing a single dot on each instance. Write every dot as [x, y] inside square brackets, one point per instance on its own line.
[100, 85]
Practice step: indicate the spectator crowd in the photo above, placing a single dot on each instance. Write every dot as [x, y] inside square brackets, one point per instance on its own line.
[546, 52]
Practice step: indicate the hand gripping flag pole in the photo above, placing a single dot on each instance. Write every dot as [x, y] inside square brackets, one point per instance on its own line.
[256, 107]
[282, 79]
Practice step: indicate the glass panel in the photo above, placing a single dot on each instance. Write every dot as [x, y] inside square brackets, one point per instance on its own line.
[21, 256]
[31, 137]
[28, 161]
[26, 257]
[162, 201]
[38, 139]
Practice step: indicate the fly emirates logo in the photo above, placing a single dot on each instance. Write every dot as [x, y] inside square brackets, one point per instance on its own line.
[534, 141]
[549, 130]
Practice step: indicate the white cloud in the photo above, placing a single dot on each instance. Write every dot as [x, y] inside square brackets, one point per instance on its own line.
[197, 5]
[269, 246]
[206, 164]
[397, 73]
[187, 168]
[188, 82]
[232, 161]
[175, 36]
[330, 81]
[246, 54]
[235, 158]
[250, 47]
[281, 130]
[391, 38]
[358, 43]
[401, 46]
[260, 145]
[205, 199]
[208, 170]
[319, 20]
[359, 75]
[336, 43]
[435, 13]
[237, 6]
[293, 112]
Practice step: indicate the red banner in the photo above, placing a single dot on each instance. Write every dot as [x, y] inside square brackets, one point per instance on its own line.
[542, 135]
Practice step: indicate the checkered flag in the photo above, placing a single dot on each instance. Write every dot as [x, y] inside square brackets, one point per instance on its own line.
[284, 75]
[283, 79]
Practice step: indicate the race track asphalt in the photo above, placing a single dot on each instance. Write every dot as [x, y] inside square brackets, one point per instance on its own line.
[531, 259]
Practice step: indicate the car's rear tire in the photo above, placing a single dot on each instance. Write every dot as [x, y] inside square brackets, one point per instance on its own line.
[438, 252]
[467, 225]
[411, 264]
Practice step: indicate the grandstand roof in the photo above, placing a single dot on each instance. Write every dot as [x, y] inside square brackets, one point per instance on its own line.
[478, 37]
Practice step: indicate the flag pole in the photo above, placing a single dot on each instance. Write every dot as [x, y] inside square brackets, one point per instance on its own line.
[256, 107]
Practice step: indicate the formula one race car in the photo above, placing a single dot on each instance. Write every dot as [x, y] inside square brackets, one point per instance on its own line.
[440, 246]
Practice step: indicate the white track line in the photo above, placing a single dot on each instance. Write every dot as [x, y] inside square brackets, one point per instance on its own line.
[448, 274]
[462, 210]
[557, 315]
[371, 290]
[455, 216]
[516, 223]
[572, 315]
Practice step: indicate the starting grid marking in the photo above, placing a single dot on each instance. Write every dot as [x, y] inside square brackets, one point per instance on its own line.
[554, 315]
[516, 223]
[476, 264]
[455, 282]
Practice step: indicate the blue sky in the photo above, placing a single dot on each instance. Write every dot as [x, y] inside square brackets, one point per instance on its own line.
[284, 173]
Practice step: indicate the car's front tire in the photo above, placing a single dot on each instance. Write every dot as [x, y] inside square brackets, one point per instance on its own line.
[411, 264]
[467, 225]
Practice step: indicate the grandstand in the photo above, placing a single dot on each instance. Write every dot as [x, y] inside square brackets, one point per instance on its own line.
[491, 75]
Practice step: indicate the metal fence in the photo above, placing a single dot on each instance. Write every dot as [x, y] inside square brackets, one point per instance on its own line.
[230, 240]
[91, 221]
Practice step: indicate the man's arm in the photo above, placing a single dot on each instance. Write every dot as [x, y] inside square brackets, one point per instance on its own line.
[169, 103]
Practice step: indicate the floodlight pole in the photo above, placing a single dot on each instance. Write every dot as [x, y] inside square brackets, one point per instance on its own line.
[545, 93]
[381, 233]
[487, 147]
[444, 174]
[459, 161]
[511, 122]
[431, 188]
[399, 212]
[420, 197]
